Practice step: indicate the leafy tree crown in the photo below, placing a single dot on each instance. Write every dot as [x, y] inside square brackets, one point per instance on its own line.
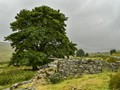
[38, 34]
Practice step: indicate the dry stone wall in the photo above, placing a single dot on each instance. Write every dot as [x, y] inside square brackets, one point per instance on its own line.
[80, 67]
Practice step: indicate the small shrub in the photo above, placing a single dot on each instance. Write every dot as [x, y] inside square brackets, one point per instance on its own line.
[55, 78]
[114, 83]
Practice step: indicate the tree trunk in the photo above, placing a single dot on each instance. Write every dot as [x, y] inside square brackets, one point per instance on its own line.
[34, 68]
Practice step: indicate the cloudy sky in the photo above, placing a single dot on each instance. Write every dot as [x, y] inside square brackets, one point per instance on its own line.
[94, 25]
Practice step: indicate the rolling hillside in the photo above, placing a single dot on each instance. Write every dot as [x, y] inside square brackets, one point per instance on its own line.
[5, 51]
[5, 46]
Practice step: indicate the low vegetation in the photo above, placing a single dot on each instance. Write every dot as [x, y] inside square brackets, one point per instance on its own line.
[85, 82]
[55, 78]
[112, 59]
[11, 75]
[116, 54]
[114, 83]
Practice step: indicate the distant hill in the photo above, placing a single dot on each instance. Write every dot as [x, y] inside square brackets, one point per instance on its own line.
[5, 51]
[105, 53]
[99, 53]
[5, 46]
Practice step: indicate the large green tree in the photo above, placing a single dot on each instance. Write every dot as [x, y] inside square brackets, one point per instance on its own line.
[39, 34]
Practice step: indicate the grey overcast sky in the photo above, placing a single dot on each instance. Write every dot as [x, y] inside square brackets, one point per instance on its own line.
[94, 25]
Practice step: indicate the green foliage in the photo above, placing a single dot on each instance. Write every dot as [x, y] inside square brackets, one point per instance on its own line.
[14, 76]
[115, 82]
[37, 35]
[86, 82]
[112, 59]
[55, 78]
[28, 58]
[112, 51]
[80, 53]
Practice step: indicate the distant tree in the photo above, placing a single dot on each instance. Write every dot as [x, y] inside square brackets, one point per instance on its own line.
[112, 51]
[80, 53]
[39, 34]
[87, 54]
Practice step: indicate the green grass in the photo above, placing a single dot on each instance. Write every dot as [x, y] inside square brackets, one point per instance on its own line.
[116, 54]
[86, 82]
[14, 76]
[11, 75]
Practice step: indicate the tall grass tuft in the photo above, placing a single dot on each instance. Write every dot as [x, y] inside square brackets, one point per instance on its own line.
[14, 76]
[114, 83]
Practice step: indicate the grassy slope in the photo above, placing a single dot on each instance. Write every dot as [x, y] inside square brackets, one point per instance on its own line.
[86, 82]
[11, 75]
[5, 51]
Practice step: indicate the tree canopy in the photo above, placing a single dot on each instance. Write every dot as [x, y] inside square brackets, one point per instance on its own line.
[112, 51]
[37, 35]
[80, 53]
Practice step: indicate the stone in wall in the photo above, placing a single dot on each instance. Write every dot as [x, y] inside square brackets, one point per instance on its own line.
[74, 67]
